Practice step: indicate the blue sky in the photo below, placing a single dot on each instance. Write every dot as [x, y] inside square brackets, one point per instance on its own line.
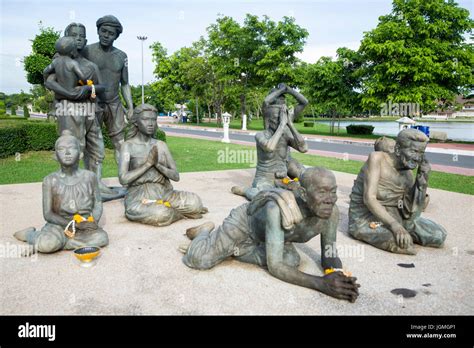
[330, 23]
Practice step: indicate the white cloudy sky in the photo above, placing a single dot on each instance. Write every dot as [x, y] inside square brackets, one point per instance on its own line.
[330, 23]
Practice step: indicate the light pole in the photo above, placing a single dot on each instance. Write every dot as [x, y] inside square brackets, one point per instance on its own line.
[142, 39]
[243, 102]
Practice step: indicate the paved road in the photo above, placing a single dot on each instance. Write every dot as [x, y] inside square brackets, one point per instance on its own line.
[434, 158]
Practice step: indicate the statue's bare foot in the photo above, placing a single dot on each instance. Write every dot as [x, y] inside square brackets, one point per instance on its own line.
[204, 210]
[184, 248]
[21, 235]
[192, 232]
[238, 190]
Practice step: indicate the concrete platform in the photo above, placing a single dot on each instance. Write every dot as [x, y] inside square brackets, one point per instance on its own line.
[141, 272]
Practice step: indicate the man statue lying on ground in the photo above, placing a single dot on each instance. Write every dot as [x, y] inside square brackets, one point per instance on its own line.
[386, 203]
[262, 232]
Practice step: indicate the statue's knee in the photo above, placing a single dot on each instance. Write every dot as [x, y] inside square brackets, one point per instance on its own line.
[48, 243]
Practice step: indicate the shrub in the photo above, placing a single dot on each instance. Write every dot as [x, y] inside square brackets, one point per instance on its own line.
[12, 140]
[21, 136]
[308, 124]
[41, 136]
[13, 108]
[359, 129]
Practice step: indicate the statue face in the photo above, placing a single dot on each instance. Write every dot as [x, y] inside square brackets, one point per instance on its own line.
[411, 156]
[68, 152]
[107, 35]
[147, 123]
[79, 34]
[322, 196]
[280, 100]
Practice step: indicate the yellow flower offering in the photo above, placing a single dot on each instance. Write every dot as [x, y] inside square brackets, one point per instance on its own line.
[90, 218]
[296, 179]
[167, 204]
[78, 218]
[159, 202]
[286, 181]
[332, 270]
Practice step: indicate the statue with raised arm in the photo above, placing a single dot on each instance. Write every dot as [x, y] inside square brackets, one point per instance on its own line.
[274, 162]
[76, 102]
[386, 202]
[262, 232]
[72, 205]
[146, 168]
[113, 66]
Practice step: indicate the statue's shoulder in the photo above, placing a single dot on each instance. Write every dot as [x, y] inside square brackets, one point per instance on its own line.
[50, 178]
[377, 156]
[87, 174]
[118, 52]
[90, 48]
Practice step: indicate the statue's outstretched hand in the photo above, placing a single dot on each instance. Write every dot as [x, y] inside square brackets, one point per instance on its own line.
[341, 287]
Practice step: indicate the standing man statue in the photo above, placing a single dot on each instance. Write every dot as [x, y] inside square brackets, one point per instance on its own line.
[113, 66]
[274, 161]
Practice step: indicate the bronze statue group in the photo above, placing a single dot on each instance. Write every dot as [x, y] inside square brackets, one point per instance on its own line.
[287, 203]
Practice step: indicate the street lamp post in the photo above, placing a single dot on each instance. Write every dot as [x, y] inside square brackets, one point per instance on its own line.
[243, 102]
[142, 39]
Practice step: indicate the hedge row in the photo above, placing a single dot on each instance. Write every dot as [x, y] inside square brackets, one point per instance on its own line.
[38, 136]
[359, 129]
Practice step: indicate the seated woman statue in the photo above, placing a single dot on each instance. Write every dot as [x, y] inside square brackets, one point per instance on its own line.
[387, 202]
[72, 205]
[146, 167]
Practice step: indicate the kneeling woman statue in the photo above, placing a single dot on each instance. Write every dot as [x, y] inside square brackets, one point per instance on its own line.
[146, 167]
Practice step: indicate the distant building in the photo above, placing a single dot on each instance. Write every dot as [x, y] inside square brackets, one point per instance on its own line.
[467, 108]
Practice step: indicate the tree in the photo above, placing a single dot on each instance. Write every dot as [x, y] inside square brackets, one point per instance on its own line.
[26, 112]
[330, 86]
[417, 54]
[232, 62]
[259, 53]
[43, 50]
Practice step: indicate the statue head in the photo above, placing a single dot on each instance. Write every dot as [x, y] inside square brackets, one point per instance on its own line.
[78, 32]
[68, 149]
[143, 121]
[109, 28]
[410, 148]
[384, 144]
[66, 46]
[319, 190]
[272, 120]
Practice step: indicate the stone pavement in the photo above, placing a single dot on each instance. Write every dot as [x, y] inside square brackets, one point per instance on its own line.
[141, 272]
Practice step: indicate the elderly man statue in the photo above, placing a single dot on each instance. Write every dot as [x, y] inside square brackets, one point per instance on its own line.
[386, 201]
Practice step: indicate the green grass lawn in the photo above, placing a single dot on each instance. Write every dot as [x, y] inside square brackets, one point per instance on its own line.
[194, 155]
